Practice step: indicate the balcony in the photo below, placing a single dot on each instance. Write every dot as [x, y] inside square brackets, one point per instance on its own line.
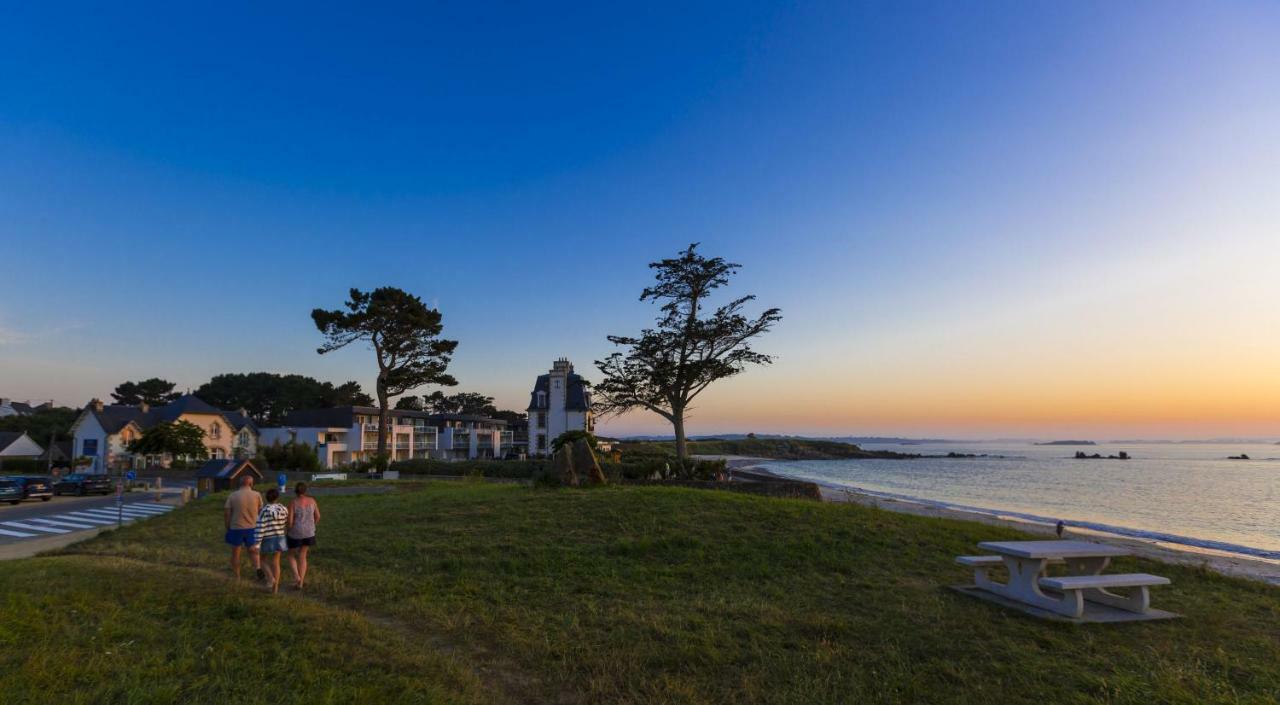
[461, 440]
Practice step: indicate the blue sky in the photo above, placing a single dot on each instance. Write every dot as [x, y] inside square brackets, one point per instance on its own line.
[944, 198]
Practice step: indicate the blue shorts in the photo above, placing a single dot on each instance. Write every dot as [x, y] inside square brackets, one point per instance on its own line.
[241, 537]
[273, 544]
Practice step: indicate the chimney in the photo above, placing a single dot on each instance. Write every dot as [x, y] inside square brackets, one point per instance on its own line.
[562, 366]
[96, 404]
[4, 401]
[144, 407]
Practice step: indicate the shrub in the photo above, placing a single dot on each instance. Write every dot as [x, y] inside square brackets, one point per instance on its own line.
[507, 469]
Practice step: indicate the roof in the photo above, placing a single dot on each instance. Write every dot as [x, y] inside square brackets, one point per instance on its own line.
[345, 416]
[226, 468]
[576, 396]
[8, 438]
[115, 417]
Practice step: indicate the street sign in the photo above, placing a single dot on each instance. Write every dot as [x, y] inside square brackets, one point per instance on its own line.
[131, 476]
[282, 479]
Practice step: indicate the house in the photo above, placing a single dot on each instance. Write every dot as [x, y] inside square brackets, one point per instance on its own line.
[219, 474]
[9, 407]
[103, 431]
[17, 444]
[560, 402]
[349, 434]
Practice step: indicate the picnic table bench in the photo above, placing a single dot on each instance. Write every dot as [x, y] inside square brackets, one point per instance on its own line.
[1026, 562]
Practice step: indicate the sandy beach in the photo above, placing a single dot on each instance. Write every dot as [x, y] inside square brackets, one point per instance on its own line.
[1264, 570]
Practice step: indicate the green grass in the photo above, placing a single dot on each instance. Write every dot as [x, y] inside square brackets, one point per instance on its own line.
[613, 595]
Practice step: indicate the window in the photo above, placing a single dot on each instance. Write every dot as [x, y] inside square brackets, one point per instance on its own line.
[244, 438]
[542, 441]
[89, 446]
[215, 431]
[542, 419]
[542, 399]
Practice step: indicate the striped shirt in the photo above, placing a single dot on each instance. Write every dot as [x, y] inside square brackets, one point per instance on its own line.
[271, 520]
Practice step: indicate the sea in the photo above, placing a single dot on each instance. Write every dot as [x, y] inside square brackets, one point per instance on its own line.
[1179, 493]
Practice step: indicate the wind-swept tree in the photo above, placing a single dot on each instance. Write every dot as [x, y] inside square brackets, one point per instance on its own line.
[467, 403]
[404, 335]
[154, 391]
[665, 368]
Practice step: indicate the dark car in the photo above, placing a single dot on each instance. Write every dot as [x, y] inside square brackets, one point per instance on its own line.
[82, 484]
[33, 487]
[10, 491]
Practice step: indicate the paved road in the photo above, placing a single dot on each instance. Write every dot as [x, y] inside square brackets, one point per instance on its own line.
[66, 515]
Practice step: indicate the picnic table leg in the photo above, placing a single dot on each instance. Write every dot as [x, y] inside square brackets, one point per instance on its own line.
[1138, 600]
[1024, 586]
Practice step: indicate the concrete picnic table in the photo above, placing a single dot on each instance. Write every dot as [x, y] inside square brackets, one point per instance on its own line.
[1026, 562]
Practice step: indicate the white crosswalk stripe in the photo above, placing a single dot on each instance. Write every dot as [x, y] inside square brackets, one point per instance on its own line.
[81, 519]
[61, 522]
[89, 518]
[36, 527]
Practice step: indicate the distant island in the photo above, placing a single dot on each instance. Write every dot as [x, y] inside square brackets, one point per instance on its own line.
[770, 448]
[1067, 443]
[1080, 455]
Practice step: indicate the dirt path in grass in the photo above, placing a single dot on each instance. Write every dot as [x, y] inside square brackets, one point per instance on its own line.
[511, 683]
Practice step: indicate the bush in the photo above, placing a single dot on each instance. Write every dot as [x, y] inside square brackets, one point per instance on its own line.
[506, 469]
[24, 466]
[298, 457]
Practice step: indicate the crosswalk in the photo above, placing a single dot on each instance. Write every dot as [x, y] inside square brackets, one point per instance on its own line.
[78, 520]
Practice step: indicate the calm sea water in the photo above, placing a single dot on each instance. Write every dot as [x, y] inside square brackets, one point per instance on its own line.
[1182, 493]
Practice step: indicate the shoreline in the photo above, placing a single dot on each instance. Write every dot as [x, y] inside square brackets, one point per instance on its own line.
[1225, 562]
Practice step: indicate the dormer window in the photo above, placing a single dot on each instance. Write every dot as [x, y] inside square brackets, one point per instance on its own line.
[542, 398]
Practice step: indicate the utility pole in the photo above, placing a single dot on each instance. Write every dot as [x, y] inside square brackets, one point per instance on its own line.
[48, 468]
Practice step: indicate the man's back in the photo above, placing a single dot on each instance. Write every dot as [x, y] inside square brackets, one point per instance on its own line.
[244, 504]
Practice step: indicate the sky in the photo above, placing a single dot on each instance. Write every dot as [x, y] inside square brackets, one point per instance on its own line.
[987, 219]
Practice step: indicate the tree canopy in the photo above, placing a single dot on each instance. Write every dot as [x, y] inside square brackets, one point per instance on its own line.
[154, 391]
[269, 397]
[176, 438]
[42, 423]
[664, 368]
[403, 333]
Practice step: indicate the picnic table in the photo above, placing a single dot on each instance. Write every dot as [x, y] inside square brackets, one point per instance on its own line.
[1027, 561]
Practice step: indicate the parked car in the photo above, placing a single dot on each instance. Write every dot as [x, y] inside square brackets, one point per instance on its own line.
[82, 484]
[10, 491]
[33, 487]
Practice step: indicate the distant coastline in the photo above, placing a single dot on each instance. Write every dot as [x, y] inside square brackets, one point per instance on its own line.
[1067, 443]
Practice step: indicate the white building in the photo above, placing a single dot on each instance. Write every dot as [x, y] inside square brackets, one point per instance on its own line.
[103, 431]
[348, 434]
[559, 402]
[9, 407]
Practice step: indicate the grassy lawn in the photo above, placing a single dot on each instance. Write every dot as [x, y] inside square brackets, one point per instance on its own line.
[492, 593]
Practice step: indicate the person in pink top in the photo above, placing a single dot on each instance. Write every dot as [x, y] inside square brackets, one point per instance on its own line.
[304, 514]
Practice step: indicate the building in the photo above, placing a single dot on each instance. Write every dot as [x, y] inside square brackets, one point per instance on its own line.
[349, 434]
[560, 402]
[103, 431]
[224, 474]
[9, 407]
[17, 444]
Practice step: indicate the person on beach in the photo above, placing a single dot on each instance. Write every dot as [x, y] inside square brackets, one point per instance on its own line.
[240, 514]
[271, 530]
[304, 514]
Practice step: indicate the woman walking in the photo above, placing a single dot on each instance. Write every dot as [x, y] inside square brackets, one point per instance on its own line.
[304, 514]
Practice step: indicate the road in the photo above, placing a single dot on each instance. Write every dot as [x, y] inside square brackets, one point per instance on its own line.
[62, 516]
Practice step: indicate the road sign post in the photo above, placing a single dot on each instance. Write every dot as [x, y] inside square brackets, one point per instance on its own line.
[120, 502]
[283, 480]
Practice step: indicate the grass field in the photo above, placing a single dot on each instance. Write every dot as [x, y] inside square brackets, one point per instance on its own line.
[490, 593]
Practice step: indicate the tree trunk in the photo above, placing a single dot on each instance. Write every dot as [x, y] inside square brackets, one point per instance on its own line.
[682, 446]
[383, 417]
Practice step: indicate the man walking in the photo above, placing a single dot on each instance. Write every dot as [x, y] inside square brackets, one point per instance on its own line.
[240, 513]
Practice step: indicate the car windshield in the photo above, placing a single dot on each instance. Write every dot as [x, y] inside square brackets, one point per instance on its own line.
[7, 484]
[74, 477]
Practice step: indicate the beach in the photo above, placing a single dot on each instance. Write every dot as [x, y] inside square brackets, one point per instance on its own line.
[1261, 569]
